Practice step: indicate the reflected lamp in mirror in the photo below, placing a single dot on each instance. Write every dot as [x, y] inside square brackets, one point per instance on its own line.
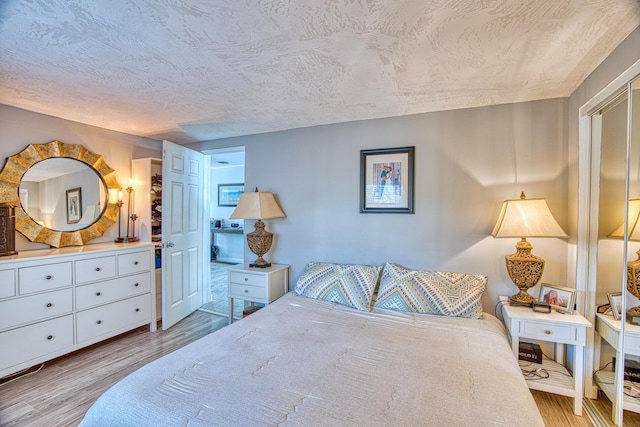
[633, 267]
[258, 205]
[524, 218]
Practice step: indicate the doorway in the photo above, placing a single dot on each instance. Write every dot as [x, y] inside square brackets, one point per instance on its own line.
[226, 181]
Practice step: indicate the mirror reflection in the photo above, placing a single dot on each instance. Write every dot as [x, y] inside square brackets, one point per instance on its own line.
[63, 194]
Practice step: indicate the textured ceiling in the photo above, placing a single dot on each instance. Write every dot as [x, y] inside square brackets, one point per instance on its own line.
[193, 70]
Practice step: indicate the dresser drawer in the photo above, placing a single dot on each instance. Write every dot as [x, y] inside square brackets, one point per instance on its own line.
[7, 283]
[240, 291]
[94, 269]
[546, 331]
[112, 290]
[23, 310]
[44, 277]
[134, 263]
[104, 320]
[247, 278]
[37, 340]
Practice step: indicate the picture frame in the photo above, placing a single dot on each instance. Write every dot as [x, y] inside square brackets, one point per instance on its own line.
[229, 194]
[615, 300]
[560, 298]
[386, 180]
[74, 205]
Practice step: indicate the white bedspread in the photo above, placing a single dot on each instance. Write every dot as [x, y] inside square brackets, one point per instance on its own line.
[302, 362]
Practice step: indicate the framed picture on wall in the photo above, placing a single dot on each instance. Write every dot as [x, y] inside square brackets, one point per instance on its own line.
[229, 194]
[560, 298]
[74, 205]
[386, 180]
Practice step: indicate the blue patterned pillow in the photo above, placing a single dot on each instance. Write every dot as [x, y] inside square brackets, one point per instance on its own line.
[347, 284]
[431, 292]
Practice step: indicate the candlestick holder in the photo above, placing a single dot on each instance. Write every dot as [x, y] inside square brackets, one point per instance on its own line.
[131, 218]
[120, 239]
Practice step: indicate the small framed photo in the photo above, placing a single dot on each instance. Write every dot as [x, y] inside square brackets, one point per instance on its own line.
[229, 194]
[386, 180]
[74, 205]
[559, 298]
[615, 300]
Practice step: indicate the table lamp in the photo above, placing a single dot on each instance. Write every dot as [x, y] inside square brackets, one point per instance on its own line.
[525, 218]
[633, 267]
[258, 205]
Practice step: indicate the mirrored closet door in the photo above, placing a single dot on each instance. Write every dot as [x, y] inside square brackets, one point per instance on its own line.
[613, 238]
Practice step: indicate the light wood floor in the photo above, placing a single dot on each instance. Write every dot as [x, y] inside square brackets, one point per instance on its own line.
[62, 391]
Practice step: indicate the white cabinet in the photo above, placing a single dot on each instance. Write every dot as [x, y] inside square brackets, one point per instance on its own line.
[261, 285]
[608, 329]
[56, 301]
[560, 329]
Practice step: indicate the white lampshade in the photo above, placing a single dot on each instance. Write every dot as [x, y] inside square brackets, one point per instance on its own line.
[257, 205]
[634, 218]
[527, 218]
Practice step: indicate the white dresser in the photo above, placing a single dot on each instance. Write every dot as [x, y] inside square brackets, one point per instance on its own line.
[55, 301]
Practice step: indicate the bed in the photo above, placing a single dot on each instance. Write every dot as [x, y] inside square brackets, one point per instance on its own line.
[306, 360]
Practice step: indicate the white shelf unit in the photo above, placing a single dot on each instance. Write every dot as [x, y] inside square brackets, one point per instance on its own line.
[142, 171]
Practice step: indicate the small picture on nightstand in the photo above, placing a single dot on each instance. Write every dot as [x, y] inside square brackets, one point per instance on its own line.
[615, 299]
[559, 298]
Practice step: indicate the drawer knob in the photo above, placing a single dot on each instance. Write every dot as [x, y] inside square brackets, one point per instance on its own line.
[137, 309]
[246, 279]
[99, 322]
[98, 269]
[548, 332]
[136, 285]
[246, 291]
[49, 305]
[50, 337]
[135, 263]
[98, 294]
[49, 277]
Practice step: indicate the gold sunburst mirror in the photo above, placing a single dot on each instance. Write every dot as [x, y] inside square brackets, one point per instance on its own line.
[61, 193]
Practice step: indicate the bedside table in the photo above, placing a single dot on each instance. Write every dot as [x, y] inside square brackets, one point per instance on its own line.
[608, 329]
[261, 285]
[560, 329]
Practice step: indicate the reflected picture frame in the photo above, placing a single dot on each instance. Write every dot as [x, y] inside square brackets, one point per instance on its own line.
[74, 205]
[561, 299]
[229, 194]
[386, 180]
[615, 301]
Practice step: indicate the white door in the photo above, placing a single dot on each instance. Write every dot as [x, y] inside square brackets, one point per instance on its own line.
[182, 232]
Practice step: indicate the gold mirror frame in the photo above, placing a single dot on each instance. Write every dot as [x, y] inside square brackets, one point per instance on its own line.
[17, 165]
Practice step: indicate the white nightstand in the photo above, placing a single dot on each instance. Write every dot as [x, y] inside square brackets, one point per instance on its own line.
[560, 329]
[609, 330]
[261, 285]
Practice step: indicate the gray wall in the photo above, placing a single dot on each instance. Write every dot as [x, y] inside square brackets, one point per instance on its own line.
[467, 162]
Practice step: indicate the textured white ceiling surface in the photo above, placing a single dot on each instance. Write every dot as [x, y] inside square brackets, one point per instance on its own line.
[194, 70]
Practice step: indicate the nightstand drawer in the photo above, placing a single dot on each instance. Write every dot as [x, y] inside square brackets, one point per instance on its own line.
[545, 331]
[240, 291]
[247, 278]
[632, 344]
